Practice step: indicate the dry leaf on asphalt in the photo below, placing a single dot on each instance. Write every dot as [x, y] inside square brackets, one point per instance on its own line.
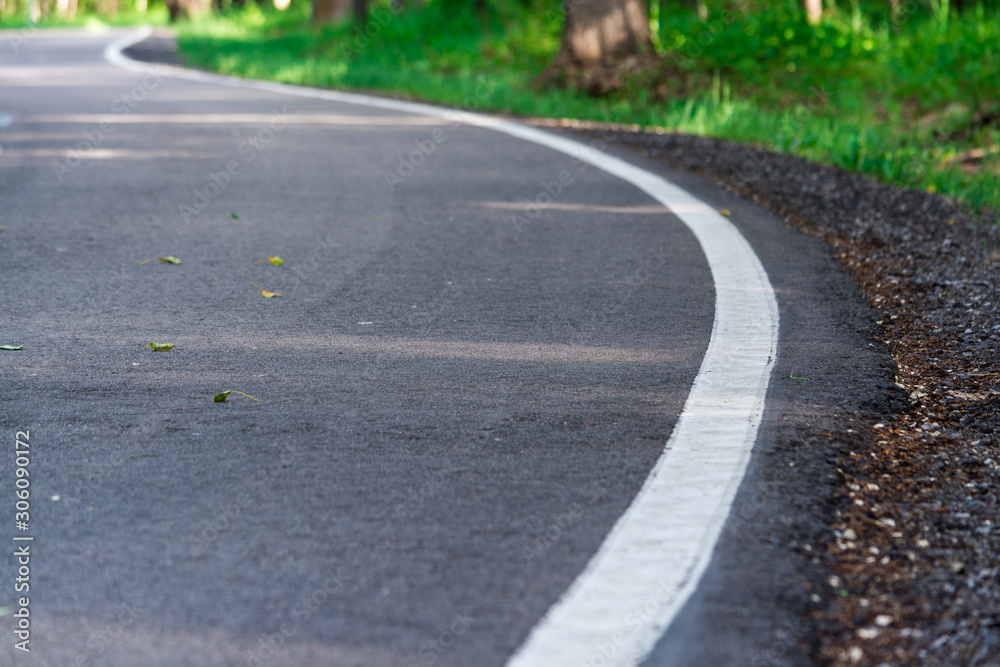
[265, 293]
[169, 259]
[221, 397]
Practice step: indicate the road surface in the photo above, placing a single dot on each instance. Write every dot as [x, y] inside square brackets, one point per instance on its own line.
[480, 350]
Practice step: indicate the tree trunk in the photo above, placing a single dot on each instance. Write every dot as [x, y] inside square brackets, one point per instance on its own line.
[601, 41]
[66, 8]
[814, 11]
[605, 31]
[361, 11]
[188, 8]
[698, 6]
[325, 11]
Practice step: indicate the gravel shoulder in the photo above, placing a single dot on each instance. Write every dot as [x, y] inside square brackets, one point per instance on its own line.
[911, 551]
[898, 558]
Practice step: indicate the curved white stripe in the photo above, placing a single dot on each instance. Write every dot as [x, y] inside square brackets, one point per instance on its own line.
[652, 559]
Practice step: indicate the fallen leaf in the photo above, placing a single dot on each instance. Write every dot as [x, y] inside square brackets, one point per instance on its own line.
[725, 211]
[11, 347]
[3, 229]
[221, 397]
[161, 347]
[169, 259]
[277, 261]
[234, 216]
[265, 293]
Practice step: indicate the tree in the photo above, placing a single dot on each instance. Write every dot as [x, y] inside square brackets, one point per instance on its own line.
[601, 41]
[66, 8]
[699, 7]
[188, 8]
[326, 11]
[361, 11]
[814, 11]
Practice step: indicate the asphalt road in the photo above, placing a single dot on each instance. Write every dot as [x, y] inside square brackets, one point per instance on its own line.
[457, 397]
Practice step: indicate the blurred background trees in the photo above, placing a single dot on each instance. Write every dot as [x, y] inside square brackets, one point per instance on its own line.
[615, 28]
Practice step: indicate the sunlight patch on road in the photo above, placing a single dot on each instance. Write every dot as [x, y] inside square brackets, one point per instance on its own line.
[586, 208]
[234, 119]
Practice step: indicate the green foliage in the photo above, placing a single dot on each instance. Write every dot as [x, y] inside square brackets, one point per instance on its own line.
[896, 102]
[88, 14]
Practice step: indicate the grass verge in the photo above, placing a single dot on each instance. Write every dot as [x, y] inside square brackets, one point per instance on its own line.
[914, 101]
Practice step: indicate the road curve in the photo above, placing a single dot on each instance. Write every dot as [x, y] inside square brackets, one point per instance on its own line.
[440, 468]
[672, 525]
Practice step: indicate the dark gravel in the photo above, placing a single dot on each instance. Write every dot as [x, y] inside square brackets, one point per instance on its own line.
[912, 551]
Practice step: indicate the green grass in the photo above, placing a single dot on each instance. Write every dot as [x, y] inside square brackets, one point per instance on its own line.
[88, 18]
[853, 92]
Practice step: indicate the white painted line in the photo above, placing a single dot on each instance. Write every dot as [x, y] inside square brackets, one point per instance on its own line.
[652, 559]
[5, 120]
